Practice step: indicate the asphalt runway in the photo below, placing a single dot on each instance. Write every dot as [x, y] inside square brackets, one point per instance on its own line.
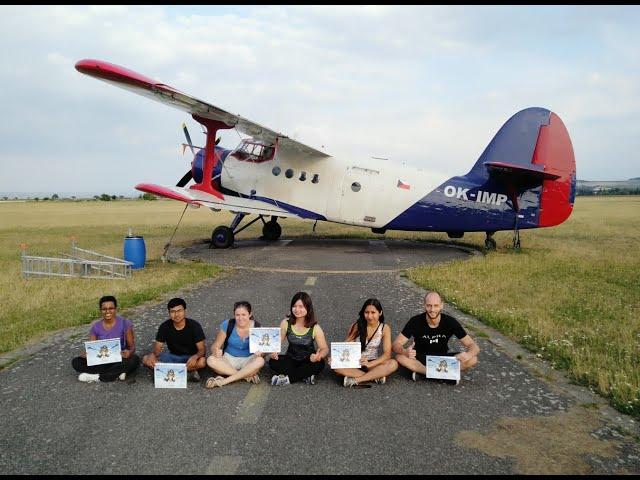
[509, 415]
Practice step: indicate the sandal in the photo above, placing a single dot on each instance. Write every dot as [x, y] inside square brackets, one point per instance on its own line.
[213, 382]
[253, 379]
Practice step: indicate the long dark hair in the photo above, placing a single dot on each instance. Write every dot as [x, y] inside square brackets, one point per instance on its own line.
[310, 319]
[360, 327]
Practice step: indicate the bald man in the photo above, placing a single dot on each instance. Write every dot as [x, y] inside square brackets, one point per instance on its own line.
[431, 332]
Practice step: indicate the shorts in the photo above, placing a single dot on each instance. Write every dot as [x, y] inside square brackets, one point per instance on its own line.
[422, 357]
[237, 362]
[168, 357]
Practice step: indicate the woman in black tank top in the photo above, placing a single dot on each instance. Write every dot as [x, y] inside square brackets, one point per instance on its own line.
[307, 345]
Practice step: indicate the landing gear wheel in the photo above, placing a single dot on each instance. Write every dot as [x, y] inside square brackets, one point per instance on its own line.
[271, 231]
[489, 242]
[222, 237]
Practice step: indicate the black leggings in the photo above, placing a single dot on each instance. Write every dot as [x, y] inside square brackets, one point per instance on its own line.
[296, 369]
[108, 371]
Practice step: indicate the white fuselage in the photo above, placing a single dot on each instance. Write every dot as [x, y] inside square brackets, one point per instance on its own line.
[336, 195]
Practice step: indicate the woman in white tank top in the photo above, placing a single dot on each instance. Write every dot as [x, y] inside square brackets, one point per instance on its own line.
[374, 336]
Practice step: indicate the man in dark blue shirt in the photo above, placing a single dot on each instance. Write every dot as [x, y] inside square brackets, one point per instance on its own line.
[184, 338]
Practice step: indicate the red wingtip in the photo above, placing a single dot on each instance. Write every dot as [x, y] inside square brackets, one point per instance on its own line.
[116, 73]
[164, 192]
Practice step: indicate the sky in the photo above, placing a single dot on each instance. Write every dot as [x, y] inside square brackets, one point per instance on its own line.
[427, 86]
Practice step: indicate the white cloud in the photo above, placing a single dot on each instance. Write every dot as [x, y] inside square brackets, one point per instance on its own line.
[426, 85]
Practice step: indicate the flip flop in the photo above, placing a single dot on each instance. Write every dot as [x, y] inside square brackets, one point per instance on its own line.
[253, 379]
[213, 382]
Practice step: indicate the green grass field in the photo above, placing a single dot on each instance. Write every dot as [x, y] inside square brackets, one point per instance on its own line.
[572, 294]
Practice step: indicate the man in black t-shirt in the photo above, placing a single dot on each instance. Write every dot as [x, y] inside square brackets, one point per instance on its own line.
[431, 332]
[184, 338]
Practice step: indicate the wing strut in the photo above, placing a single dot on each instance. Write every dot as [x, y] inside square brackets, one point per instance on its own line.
[210, 156]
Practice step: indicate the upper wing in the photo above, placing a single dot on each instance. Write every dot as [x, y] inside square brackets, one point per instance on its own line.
[160, 92]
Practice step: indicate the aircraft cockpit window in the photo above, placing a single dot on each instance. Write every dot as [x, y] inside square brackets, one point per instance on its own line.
[251, 151]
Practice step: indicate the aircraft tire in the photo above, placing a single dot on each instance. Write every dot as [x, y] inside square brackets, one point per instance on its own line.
[490, 243]
[222, 237]
[271, 231]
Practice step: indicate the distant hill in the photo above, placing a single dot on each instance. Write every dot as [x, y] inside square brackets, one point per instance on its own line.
[603, 187]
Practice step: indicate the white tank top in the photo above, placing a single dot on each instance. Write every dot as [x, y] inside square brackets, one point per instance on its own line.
[374, 348]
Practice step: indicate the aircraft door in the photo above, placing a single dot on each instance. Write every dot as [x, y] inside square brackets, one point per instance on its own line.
[361, 196]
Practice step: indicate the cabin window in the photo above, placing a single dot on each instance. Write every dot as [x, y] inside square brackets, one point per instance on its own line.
[303, 176]
[315, 179]
[355, 186]
[288, 173]
[253, 151]
[276, 171]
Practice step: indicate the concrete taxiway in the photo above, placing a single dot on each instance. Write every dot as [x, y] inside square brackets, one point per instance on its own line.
[512, 414]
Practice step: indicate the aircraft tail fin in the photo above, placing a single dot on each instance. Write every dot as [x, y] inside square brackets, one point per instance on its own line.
[533, 149]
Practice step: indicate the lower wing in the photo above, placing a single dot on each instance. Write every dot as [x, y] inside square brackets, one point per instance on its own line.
[235, 204]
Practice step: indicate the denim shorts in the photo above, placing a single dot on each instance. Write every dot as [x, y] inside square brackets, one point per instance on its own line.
[168, 357]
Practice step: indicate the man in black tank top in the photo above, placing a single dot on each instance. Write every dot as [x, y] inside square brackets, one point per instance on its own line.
[431, 332]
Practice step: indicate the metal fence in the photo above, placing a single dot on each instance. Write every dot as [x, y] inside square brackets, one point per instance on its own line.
[81, 263]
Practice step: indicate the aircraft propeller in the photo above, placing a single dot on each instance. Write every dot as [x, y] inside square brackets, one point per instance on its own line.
[189, 175]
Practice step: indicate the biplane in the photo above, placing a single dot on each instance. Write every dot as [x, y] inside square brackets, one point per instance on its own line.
[525, 178]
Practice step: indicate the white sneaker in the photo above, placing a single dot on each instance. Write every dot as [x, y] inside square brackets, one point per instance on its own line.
[89, 377]
[283, 380]
[274, 380]
[310, 380]
[349, 382]
[414, 376]
[123, 376]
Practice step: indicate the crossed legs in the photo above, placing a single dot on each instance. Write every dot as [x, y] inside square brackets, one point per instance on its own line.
[383, 370]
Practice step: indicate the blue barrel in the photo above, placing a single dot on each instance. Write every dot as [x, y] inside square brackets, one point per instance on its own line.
[135, 251]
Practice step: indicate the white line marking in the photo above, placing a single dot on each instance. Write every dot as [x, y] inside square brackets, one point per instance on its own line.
[251, 407]
[223, 465]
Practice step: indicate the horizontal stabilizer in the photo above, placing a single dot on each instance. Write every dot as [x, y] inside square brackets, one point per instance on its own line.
[520, 172]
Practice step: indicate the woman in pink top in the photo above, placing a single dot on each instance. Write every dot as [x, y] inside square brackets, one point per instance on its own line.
[375, 339]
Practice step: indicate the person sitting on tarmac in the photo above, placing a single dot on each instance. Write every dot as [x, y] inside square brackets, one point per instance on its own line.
[230, 355]
[303, 360]
[431, 332]
[184, 338]
[374, 335]
[110, 326]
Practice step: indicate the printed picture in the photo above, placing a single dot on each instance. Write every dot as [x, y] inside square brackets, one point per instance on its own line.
[345, 355]
[100, 352]
[447, 368]
[170, 375]
[264, 340]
